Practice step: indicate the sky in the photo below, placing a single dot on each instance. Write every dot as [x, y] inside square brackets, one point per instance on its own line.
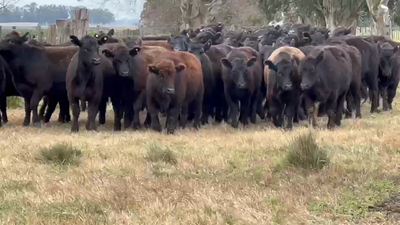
[120, 8]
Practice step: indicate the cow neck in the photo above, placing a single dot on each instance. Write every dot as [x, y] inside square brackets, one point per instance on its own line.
[85, 73]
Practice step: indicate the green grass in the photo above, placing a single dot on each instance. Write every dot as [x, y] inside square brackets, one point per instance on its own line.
[61, 154]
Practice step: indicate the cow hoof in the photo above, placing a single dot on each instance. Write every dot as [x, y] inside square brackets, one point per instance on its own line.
[136, 126]
[74, 130]
[157, 128]
[235, 125]
[170, 131]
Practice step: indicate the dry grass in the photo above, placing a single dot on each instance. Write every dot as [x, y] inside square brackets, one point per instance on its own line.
[217, 175]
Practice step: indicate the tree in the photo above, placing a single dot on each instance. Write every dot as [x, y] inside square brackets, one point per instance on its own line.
[379, 12]
[101, 16]
[329, 13]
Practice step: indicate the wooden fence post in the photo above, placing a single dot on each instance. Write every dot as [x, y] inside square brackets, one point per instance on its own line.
[63, 30]
[81, 23]
[52, 34]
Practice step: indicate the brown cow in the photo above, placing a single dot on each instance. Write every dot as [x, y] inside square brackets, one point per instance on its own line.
[175, 82]
[282, 78]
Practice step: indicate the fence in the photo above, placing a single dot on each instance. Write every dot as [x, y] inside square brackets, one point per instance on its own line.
[60, 31]
[366, 31]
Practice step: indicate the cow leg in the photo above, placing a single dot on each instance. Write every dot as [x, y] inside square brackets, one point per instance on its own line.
[183, 115]
[93, 106]
[356, 94]
[152, 112]
[331, 108]
[118, 113]
[172, 119]
[244, 111]
[254, 106]
[3, 107]
[259, 105]
[147, 121]
[339, 109]
[349, 105]
[198, 104]
[102, 110]
[321, 110]
[310, 105]
[128, 113]
[137, 107]
[206, 110]
[37, 95]
[383, 93]
[275, 109]
[75, 115]
[51, 106]
[290, 112]
[27, 119]
[373, 89]
[233, 110]
[64, 110]
[43, 107]
[391, 93]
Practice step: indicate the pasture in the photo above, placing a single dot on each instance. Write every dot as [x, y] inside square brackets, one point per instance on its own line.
[217, 175]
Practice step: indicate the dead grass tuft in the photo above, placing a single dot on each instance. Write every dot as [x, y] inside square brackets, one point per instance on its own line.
[157, 154]
[304, 152]
[61, 154]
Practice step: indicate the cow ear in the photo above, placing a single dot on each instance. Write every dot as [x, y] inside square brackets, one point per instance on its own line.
[102, 40]
[240, 44]
[271, 65]
[108, 53]
[153, 69]
[180, 67]
[207, 45]
[134, 51]
[226, 63]
[139, 41]
[75, 40]
[111, 32]
[251, 61]
[217, 35]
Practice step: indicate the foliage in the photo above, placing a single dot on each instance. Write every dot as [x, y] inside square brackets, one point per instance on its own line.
[47, 14]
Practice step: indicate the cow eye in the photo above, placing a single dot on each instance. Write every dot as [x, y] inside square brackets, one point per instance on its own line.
[280, 74]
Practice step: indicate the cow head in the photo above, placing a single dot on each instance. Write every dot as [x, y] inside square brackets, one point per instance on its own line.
[121, 59]
[198, 49]
[308, 71]
[285, 70]
[179, 43]
[89, 49]
[239, 70]
[386, 54]
[166, 72]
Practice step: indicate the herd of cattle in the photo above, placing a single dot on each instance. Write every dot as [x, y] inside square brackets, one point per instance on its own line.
[278, 73]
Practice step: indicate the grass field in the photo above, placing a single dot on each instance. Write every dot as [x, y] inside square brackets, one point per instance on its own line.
[217, 175]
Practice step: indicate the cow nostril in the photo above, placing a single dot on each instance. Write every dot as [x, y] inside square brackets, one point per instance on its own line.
[96, 60]
[170, 90]
[125, 72]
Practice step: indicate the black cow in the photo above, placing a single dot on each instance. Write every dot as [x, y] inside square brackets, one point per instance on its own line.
[326, 76]
[31, 76]
[85, 79]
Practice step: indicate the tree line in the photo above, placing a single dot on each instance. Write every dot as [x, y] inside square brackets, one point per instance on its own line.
[47, 14]
[331, 13]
